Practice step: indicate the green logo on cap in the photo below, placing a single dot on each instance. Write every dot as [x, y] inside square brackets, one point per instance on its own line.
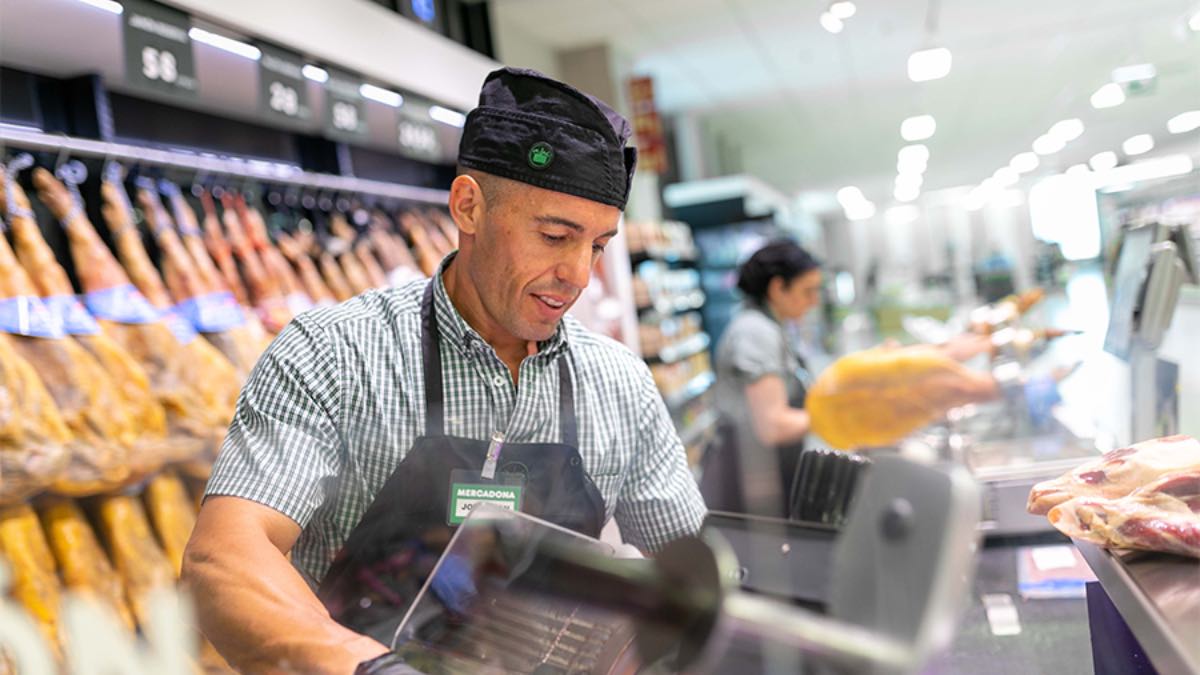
[540, 155]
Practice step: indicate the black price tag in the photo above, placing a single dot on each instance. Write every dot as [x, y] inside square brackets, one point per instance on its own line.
[345, 114]
[282, 89]
[418, 134]
[158, 50]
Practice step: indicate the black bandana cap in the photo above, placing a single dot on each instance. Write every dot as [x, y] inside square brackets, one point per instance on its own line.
[541, 132]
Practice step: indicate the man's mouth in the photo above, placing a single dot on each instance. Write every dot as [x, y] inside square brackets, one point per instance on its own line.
[551, 301]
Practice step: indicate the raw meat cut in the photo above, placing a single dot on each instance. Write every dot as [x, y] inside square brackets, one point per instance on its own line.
[1163, 515]
[876, 397]
[195, 401]
[34, 582]
[84, 567]
[1119, 472]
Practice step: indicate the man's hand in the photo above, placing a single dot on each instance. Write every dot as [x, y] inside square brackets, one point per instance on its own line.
[253, 605]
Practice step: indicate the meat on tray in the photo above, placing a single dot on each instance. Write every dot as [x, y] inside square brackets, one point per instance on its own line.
[1119, 472]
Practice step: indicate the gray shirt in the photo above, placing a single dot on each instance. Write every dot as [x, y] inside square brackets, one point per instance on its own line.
[754, 345]
[337, 400]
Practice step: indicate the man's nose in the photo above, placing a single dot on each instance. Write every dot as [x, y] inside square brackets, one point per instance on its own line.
[576, 268]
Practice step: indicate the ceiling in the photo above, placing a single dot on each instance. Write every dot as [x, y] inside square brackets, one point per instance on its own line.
[807, 110]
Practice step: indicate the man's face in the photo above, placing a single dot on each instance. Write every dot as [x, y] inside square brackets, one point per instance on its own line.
[533, 254]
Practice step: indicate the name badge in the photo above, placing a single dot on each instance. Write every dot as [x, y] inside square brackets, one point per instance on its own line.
[468, 491]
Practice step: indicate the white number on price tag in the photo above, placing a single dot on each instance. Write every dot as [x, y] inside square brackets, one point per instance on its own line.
[159, 64]
[345, 116]
[417, 137]
[284, 99]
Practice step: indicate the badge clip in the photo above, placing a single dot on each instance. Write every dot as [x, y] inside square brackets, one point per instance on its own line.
[493, 455]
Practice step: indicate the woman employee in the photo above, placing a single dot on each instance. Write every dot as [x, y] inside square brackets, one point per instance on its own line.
[761, 383]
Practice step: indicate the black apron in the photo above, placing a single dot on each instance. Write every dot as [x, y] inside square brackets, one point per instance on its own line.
[390, 553]
[721, 477]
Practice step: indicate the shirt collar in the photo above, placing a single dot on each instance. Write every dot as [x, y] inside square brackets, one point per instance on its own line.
[456, 331]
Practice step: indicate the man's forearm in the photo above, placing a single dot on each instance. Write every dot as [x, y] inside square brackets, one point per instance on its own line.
[261, 615]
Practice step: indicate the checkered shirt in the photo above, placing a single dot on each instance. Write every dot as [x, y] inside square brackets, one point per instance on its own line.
[338, 398]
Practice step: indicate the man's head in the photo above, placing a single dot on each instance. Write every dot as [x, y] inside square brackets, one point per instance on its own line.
[543, 176]
[529, 252]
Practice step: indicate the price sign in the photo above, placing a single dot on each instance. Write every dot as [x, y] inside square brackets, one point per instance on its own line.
[282, 89]
[345, 115]
[417, 133]
[158, 51]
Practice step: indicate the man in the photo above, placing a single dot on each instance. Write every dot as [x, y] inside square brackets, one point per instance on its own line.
[354, 421]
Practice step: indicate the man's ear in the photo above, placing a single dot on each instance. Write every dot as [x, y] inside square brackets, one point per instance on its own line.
[467, 205]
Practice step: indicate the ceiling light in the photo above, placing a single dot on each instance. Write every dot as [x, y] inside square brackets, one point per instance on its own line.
[831, 23]
[1184, 122]
[1008, 199]
[1109, 96]
[315, 73]
[912, 159]
[381, 95]
[1048, 144]
[929, 64]
[849, 196]
[1024, 162]
[1078, 170]
[1103, 161]
[1067, 130]
[918, 128]
[106, 5]
[906, 193]
[1138, 145]
[914, 180]
[843, 9]
[901, 215]
[1194, 22]
[1147, 169]
[1138, 73]
[228, 44]
[860, 211]
[1006, 176]
[447, 116]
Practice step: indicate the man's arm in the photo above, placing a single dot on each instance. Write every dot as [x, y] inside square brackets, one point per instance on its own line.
[253, 605]
[282, 451]
[659, 500]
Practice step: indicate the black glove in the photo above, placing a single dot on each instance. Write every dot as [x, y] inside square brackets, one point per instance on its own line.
[385, 664]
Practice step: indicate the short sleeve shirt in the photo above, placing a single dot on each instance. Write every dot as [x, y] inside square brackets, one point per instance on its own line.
[337, 400]
[753, 345]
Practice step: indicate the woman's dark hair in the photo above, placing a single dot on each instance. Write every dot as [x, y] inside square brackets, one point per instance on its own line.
[780, 258]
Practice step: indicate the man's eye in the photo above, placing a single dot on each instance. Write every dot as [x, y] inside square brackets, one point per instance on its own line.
[554, 238]
[598, 248]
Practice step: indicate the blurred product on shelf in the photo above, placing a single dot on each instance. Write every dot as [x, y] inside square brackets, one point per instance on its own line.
[874, 398]
[660, 240]
[35, 583]
[82, 563]
[993, 317]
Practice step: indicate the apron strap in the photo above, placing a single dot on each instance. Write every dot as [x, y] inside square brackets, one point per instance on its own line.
[566, 405]
[431, 358]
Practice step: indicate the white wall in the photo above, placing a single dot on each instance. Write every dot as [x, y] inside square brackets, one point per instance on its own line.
[518, 46]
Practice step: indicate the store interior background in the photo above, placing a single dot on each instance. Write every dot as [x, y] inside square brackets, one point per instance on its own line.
[770, 113]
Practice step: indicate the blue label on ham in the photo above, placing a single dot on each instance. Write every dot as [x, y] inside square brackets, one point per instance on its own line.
[122, 304]
[28, 315]
[183, 329]
[213, 312]
[71, 313]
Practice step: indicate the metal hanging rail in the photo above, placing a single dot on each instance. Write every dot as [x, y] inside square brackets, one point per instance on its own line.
[273, 172]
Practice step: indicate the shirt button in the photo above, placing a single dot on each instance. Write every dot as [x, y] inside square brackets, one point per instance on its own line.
[498, 381]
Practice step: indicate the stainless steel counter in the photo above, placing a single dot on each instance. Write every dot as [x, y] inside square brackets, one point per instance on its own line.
[1158, 595]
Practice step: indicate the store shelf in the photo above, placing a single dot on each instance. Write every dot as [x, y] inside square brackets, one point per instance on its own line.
[697, 429]
[683, 303]
[670, 257]
[1158, 596]
[695, 387]
[681, 350]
